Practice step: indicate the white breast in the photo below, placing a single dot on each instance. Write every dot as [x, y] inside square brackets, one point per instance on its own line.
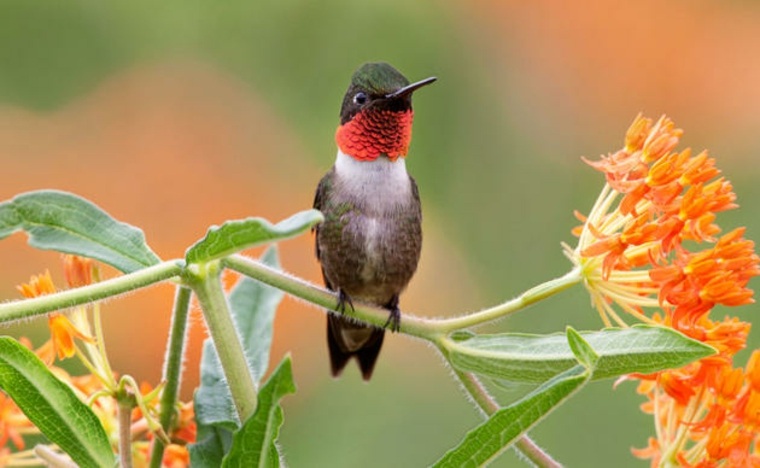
[381, 185]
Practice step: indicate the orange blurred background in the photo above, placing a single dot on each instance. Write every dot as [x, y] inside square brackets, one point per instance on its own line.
[177, 117]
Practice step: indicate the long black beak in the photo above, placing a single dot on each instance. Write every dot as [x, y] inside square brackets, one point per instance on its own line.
[409, 89]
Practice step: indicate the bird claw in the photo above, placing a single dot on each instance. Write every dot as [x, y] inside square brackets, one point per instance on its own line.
[394, 319]
[344, 299]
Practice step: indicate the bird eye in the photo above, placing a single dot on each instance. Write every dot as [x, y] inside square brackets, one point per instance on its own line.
[360, 98]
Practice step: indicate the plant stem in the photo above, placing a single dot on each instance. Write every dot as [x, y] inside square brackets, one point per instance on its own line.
[416, 326]
[125, 405]
[208, 288]
[172, 375]
[411, 325]
[534, 453]
[478, 392]
[529, 297]
[489, 406]
[28, 308]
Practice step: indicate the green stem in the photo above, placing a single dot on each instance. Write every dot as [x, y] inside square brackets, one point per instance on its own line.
[529, 297]
[410, 325]
[429, 329]
[489, 406]
[172, 369]
[28, 308]
[125, 405]
[204, 279]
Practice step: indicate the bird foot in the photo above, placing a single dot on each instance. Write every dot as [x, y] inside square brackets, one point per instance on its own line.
[344, 299]
[394, 317]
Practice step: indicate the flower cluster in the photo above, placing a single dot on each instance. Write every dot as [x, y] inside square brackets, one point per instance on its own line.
[651, 242]
[74, 334]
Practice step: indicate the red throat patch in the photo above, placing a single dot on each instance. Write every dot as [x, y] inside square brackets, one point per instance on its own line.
[374, 132]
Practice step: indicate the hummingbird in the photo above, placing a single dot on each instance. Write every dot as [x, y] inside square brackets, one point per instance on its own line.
[370, 240]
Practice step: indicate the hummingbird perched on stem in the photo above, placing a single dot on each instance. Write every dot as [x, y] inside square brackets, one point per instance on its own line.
[370, 241]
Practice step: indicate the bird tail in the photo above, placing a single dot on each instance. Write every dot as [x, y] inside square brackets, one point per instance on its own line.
[347, 339]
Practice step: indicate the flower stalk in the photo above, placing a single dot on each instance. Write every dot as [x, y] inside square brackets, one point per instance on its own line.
[205, 283]
[172, 374]
[113, 287]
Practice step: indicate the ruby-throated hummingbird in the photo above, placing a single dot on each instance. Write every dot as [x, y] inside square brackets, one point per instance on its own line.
[369, 243]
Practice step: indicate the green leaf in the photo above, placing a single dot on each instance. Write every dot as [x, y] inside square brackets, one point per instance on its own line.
[488, 440]
[582, 351]
[532, 358]
[212, 443]
[255, 443]
[52, 406]
[234, 236]
[62, 221]
[253, 306]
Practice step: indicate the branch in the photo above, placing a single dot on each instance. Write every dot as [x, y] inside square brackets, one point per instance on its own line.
[28, 308]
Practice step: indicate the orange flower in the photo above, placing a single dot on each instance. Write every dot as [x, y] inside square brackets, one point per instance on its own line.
[62, 331]
[631, 248]
[38, 285]
[176, 456]
[78, 270]
[12, 422]
[637, 250]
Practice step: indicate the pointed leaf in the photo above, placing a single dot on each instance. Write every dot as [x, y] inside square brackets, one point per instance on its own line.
[62, 221]
[253, 306]
[488, 440]
[532, 358]
[582, 351]
[234, 236]
[52, 406]
[255, 443]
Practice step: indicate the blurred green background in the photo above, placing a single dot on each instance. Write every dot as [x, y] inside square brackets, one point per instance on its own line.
[176, 115]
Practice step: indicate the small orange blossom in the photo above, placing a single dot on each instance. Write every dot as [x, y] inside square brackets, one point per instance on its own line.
[62, 331]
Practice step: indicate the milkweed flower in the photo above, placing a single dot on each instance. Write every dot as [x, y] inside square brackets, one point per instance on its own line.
[632, 248]
[650, 248]
[62, 331]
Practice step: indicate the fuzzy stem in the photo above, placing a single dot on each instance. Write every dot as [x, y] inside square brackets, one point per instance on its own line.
[172, 375]
[529, 297]
[488, 406]
[534, 453]
[204, 279]
[478, 393]
[411, 325]
[420, 327]
[125, 405]
[28, 308]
